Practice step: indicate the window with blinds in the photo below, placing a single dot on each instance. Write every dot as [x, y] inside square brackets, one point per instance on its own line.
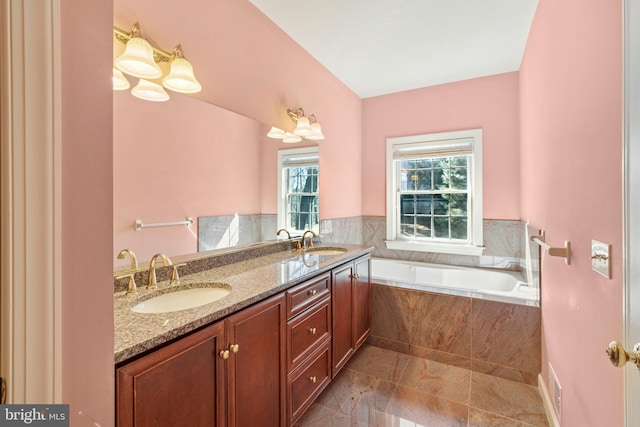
[299, 199]
[434, 191]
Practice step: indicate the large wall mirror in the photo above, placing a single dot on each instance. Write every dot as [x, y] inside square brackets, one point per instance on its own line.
[188, 158]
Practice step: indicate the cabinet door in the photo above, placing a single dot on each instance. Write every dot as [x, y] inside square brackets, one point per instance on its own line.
[257, 372]
[179, 385]
[341, 303]
[361, 301]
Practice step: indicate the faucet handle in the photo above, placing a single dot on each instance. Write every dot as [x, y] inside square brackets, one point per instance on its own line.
[131, 286]
[175, 278]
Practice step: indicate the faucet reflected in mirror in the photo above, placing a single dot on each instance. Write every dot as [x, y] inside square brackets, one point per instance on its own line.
[286, 231]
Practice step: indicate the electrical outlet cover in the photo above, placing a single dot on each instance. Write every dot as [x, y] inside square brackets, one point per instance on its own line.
[601, 258]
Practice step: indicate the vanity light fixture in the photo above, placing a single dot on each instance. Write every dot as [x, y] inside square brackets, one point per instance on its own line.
[149, 91]
[140, 59]
[306, 127]
[120, 82]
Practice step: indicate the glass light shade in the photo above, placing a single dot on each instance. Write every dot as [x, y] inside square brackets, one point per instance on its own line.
[149, 91]
[276, 133]
[181, 78]
[317, 132]
[303, 128]
[137, 60]
[291, 138]
[120, 82]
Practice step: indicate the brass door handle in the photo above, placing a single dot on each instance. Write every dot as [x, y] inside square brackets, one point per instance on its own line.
[313, 379]
[234, 348]
[619, 356]
[224, 354]
[312, 292]
[355, 276]
[312, 331]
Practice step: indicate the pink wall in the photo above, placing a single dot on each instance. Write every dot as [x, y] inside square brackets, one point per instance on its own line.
[571, 137]
[248, 65]
[87, 200]
[490, 103]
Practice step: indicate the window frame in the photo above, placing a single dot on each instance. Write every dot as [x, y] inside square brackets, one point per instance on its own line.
[283, 154]
[473, 245]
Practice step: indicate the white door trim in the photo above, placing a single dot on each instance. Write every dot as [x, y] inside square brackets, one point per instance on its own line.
[631, 248]
[30, 200]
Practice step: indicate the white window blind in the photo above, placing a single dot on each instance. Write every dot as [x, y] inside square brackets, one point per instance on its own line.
[417, 150]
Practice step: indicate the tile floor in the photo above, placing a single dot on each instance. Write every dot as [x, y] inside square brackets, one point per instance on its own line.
[380, 387]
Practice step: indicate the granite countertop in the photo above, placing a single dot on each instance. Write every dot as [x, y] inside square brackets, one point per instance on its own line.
[251, 281]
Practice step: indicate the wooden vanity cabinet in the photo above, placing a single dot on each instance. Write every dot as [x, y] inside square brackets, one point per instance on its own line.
[182, 384]
[308, 343]
[231, 373]
[361, 301]
[262, 366]
[257, 368]
[351, 310]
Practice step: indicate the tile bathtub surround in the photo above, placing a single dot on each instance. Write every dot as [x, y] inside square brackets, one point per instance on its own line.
[380, 387]
[495, 338]
[503, 240]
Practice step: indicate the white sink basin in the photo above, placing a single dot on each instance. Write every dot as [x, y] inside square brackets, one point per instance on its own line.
[181, 300]
[327, 251]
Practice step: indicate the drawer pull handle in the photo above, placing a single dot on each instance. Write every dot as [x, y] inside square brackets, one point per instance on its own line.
[224, 354]
[355, 276]
[312, 331]
[313, 379]
[312, 292]
[234, 348]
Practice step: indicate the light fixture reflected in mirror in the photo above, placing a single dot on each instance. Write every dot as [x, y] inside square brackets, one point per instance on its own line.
[306, 127]
[140, 60]
[291, 138]
[181, 77]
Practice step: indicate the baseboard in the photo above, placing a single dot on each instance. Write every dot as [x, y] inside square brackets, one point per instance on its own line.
[548, 404]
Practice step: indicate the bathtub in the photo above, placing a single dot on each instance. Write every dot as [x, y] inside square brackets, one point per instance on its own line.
[497, 285]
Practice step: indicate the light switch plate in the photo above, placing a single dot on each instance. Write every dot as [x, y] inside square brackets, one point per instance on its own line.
[601, 258]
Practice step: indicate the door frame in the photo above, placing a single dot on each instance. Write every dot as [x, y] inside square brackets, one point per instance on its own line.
[631, 209]
[30, 201]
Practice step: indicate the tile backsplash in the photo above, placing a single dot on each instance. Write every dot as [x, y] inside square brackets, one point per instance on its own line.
[504, 240]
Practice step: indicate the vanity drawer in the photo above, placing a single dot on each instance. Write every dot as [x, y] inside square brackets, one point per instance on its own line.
[303, 296]
[307, 331]
[308, 381]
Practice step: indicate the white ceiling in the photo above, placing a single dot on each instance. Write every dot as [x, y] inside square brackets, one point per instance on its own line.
[377, 47]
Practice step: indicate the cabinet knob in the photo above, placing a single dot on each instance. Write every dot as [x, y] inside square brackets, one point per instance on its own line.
[234, 348]
[312, 292]
[313, 379]
[224, 354]
[355, 276]
[312, 331]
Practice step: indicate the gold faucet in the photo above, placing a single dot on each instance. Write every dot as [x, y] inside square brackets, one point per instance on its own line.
[304, 236]
[286, 231]
[131, 286]
[152, 283]
[134, 261]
